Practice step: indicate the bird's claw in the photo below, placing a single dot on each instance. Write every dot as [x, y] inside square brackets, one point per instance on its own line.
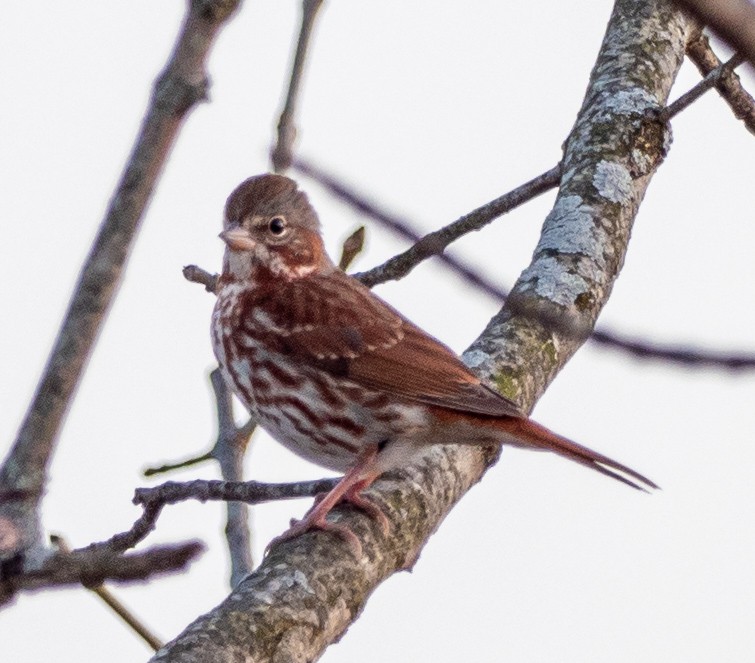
[307, 525]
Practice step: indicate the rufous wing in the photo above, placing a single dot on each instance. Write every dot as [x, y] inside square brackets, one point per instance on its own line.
[339, 324]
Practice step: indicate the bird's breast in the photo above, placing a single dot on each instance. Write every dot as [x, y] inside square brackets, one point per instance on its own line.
[324, 418]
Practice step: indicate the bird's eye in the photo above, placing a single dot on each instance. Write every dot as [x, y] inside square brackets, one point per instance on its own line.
[277, 225]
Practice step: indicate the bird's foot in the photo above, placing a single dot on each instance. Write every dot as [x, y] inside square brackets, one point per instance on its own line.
[307, 524]
[354, 496]
[316, 519]
[348, 489]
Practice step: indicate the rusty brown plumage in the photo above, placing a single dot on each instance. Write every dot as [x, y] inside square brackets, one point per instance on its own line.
[335, 373]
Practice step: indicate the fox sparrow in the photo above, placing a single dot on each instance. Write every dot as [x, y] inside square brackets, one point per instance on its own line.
[336, 374]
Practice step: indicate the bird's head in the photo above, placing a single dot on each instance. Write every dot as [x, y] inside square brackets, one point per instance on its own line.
[270, 225]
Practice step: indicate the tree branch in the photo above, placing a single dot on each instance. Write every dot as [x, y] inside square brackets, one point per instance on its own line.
[728, 85]
[689, 357]
[93, 567]
[177, 90]
[434, 243]
[198, 275]
[248, 492]
[282, 153]
[229, 451]
[712, 79]
[310, 588]
[118, 608]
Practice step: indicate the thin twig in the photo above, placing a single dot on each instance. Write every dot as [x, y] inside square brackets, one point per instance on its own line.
[282, 153]
[728, 85]
[112, 602]
[152, 500]
[434, 243]
[712, 79]
[229, 450]
[177, 90]
[249, 492]
[178, 465]
[689, 357]
[198, 275]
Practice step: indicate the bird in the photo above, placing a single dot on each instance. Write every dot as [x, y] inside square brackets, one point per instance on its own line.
[336, 374]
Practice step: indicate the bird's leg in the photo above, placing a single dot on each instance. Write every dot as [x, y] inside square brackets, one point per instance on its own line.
[354, 496]
[348, 488]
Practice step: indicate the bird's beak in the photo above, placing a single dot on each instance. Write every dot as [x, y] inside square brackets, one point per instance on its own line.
[237, 239]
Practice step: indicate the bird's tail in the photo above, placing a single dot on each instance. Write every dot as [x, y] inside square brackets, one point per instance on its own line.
[533, 434]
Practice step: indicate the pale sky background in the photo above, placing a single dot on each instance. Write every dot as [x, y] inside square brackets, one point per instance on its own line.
[434, 109]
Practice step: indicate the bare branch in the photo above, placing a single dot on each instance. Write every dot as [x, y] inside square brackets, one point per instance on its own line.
[177, 90]
[713, 79]
[229, 450]
[143, 525]
[198, 275]
[128, 617]
[177, 465]
[282, 153]
[728, 85]
[248, 492]
[432, 244]
[112, 602]
[152, 501]
[93, 567]
[688, 357]
[732, 20]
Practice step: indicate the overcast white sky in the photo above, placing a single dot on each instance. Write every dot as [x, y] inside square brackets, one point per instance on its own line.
[433, 109]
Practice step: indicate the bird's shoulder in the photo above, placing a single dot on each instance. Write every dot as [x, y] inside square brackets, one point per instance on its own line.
[329, 316]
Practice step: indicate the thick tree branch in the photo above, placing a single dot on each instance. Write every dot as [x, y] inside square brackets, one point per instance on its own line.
[309, 589]
[177, 90]
[434, 243]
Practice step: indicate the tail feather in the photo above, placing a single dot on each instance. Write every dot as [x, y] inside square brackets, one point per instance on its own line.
[539, 436]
